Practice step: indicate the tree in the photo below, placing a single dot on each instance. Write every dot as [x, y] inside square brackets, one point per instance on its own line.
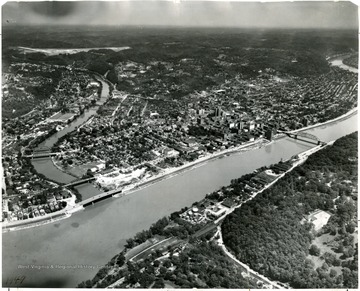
[86, 284]
[145, 279]
[333, 273]
[158, 227]
[130, 243]
[167, 264]
[10, 130]
[159, 283]
[120, 260]
[350, 228]
[314, 250]
[325, 266]
[213, 281]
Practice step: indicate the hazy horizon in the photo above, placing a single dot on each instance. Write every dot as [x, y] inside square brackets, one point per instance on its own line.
[195, 14]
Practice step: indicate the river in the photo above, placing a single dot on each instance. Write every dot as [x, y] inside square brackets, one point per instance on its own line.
[339, 63]
[64, 253]
[44, 165]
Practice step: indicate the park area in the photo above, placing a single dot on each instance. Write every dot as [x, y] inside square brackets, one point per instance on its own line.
[330, 252]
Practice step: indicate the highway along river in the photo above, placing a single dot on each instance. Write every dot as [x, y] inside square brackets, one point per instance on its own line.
[66, 252]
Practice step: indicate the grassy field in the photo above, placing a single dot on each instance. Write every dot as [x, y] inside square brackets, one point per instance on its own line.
[326, 243]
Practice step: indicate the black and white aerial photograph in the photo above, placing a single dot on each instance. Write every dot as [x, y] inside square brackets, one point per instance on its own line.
[179, 144]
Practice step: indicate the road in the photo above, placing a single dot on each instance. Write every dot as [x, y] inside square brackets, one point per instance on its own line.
[253, 273]
[143, 110]
[206, 229]
[302, 158]
[161, 245]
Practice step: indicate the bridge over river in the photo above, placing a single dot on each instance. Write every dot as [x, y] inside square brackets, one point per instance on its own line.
[45, 153]
[79, 182]
[304, 136]
[40, 155]
[99, 197]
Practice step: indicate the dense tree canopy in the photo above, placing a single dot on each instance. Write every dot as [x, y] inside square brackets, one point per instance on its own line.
[271, 234]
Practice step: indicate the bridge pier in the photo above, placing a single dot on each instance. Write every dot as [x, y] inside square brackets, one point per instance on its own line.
[295, 136]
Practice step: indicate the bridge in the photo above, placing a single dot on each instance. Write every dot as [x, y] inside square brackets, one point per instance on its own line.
[45, 153]
[306, 137]
[40, 155]
[99, 197]
[79, 182]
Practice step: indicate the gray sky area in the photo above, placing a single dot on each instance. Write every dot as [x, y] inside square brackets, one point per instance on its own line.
[299, 14]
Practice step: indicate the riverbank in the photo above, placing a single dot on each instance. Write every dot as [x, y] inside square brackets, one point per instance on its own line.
[24, 224]
[302, 157]
[63, 170]
[70, 208]
[172, 172]
[340, 118]
[166, 174]
[109, 224]
[294, 162]
[338, 61]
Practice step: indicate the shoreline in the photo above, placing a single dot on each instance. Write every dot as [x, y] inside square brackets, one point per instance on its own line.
[302, 157]
[172, 172]
[41, 220]
[231, 151]
[62, 170]
[23, 224]
[346, 115]
[65, 213]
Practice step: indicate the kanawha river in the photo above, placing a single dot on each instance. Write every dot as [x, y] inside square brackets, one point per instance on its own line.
[66, 252]
[93, 236]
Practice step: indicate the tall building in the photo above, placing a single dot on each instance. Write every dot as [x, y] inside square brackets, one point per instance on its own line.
[269, 134]
[305, 121]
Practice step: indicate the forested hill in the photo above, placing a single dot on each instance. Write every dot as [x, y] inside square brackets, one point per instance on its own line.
[273, 233]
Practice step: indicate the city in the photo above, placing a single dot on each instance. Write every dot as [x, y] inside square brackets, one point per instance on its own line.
[185, 143]
[147, 137]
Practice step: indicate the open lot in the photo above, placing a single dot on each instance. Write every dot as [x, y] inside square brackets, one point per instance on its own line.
[62, 116]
